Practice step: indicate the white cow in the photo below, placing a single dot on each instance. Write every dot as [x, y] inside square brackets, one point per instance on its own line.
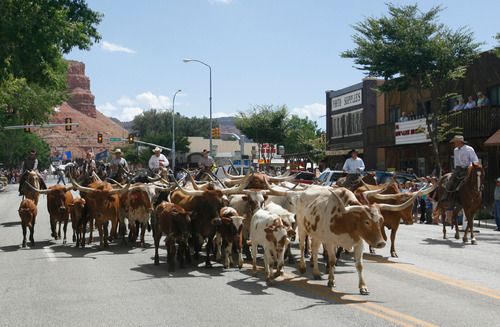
[267, 229]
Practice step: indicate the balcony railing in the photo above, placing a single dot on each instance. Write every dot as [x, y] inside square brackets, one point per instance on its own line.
[475, 123]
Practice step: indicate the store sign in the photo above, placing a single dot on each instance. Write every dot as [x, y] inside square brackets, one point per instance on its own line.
[347, 100]
[411, 132]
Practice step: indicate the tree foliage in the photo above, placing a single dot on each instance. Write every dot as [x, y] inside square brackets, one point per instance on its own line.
[411, 50]
[15, 146]
[34, 35]
[496, 50]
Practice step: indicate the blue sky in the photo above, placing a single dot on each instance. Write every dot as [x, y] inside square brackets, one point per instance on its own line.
[262, 52]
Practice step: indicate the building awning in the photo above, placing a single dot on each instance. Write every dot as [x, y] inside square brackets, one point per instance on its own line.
[343, 152]
[494, 140]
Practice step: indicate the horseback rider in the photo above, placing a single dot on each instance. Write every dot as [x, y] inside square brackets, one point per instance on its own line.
[205, 163]
[464, 156]
[157, 161]
[117, 162]
[30, 164]
[353, 166]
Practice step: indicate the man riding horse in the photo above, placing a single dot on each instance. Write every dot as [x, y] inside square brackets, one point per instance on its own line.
[464, 156]
[353, 166]
[30, 164]
[205, 164]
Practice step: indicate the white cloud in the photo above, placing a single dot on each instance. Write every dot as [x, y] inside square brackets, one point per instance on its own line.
[149, 100]
[115, 47]
[128, 113]
[222, 114]
[309, 110]
[125, 101]
[108, 109]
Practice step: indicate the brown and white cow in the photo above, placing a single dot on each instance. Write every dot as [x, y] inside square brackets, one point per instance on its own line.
[79, 219]
[229, 232]
[27, 212]
[334, 217]
[268, 230]
[205, 205]
[58, 199]
[173, 221]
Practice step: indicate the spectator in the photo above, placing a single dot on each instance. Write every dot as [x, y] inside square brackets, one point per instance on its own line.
[485, 101]
[470, 104]
[461, 106]
[414, 188]
[412, 115]
[60, 173]
[457, 105]
[433, 197]
[497, 204]
[403, 117]
[479, 99]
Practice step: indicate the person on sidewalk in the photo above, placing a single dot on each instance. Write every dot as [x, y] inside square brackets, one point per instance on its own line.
[497, 204]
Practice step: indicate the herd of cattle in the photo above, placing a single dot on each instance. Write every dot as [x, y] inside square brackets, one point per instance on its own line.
[237, 214]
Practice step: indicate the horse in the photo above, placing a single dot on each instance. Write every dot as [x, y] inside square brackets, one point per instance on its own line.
[370, 178]
[28, 193]
[468, 198]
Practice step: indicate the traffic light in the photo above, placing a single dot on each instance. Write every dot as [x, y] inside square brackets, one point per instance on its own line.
[323, 138]
[217, 132]
[213, 133]
[99, 138]
[67, 121]
[131, 138]
[27, 129]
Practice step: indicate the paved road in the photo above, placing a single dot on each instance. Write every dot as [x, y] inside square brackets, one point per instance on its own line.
[434, 282]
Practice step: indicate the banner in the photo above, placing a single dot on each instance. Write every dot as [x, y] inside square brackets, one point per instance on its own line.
[101, 155]
[66, 155]
[411, 132]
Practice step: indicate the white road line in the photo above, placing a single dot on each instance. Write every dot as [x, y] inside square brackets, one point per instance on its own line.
[49, 253]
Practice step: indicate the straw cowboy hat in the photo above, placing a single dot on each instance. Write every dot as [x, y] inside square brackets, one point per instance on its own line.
[205, 151]
[156, 149]
[458, 138]
[33, 151]
[118, 151]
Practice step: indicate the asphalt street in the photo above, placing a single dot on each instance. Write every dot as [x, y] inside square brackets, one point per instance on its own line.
[434, 282]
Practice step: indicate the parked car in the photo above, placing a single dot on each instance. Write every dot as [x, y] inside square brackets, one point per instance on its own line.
[304, 177]
[386, 176]
[330, 177]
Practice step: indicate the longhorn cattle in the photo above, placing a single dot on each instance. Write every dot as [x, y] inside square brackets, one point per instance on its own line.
[27, 213]
[288, 219]
[247, 204]
[173, 221]
[229, 232]
[205, 205]
[30, 192]
[103, 206]
[392, 218]
[258, 180]
[335, 218]
[268, 230]
[58, 199]
[79, 219]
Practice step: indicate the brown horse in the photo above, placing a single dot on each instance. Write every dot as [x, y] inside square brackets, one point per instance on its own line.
[28, 193]
[370, 178]
[468, 197]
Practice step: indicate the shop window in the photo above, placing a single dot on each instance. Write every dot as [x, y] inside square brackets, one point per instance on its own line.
[494, 95]
[394, 114]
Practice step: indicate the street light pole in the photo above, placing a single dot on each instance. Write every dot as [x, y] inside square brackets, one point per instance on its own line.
[210, 68]
[173, 132]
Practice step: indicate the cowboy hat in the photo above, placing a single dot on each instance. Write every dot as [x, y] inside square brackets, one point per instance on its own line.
[33, 151]
[498, 179]
[352, 151]
[118, 151]
[156, 149]
[458, 138]
[205, 151]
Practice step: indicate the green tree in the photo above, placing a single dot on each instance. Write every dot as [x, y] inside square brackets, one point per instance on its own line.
[410, 50]
[34, 35]
[300, 134]
[497, 48]
[15, 146]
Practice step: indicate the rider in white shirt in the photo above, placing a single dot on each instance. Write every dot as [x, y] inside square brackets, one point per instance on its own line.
[157, 161]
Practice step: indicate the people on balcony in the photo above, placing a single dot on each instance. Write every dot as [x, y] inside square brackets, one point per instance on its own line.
[403, 117]
[480, 99]
[470, 104]
[456, 106]
[485, 101]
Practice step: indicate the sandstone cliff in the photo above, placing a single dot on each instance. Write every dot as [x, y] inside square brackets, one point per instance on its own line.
[81, 108]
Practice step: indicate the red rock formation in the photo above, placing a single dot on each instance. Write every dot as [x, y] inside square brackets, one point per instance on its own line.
[79, 87]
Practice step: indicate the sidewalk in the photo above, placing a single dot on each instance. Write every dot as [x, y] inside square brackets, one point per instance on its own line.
[485, 223]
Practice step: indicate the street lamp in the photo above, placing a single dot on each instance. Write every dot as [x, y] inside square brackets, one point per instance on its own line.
[173, 132]
[210, 68]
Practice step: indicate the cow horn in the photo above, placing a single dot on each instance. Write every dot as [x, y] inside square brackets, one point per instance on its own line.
[399, 207]
[79, 187]
[69, 188]
[188, 192]
[282, 178]
[373, 192]
[244, 183]
[273, 190]
[343, 208]
[47, 191]
[121, 190]
[154, 179]
[366, 185]
[165, 188]
[229, 176]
